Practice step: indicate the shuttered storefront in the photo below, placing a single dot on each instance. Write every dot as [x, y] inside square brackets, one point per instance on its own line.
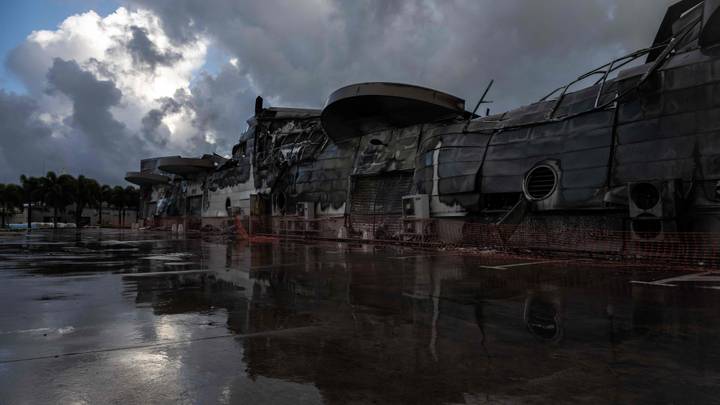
[377, 200]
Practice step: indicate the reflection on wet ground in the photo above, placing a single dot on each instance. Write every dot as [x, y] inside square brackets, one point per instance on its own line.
[123, 317]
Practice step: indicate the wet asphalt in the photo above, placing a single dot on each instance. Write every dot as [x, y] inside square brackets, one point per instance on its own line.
[121, 317]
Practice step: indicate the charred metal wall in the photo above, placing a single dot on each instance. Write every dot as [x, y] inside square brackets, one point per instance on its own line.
[448, 163]
[387, 151]
[324, 180]
[671, 131]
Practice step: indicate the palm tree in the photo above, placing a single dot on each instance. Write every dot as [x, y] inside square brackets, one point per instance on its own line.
[31, 193]
[58, 191]
[117, 200]
[87, 192]
[105, 195]
[11, 197]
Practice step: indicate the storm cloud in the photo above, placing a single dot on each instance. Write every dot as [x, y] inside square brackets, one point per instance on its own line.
[299, 52]
[139, 83]
[144, 51]
[23, 134]
[90, 84]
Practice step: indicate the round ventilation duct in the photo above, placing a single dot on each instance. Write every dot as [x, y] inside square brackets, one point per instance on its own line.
[543, 318]
[645, 196]
[647, 227]
[540, 183]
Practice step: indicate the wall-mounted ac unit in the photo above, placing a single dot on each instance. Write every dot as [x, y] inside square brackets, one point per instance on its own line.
[653, 208]
[651, 229]
[416, 215]
[656, 199]
[306, 210]
[416, 206]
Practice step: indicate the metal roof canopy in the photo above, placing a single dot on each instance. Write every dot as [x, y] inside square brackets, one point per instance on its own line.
[185, 166]
[711, 25]
[146, 179]
[364, 108]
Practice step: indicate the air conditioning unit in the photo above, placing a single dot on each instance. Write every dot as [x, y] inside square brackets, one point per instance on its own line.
[416, 206]
[306, 210]
[651, 229]
[653, 208]
[416, 215]
[655, 199]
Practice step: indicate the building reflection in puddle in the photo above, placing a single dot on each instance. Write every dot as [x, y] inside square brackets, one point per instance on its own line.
[375, 324]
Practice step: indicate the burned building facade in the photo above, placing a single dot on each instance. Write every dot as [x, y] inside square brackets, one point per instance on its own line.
[636, 150]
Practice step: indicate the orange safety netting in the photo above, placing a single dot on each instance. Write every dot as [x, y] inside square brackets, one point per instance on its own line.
[670, 248]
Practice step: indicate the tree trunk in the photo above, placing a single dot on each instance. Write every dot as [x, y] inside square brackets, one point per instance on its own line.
[100, 216]
[55, 213]
[29, 214]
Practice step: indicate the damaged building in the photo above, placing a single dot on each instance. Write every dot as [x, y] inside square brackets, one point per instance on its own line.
[630, 148]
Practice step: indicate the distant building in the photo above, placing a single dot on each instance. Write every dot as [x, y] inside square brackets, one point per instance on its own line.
[90, 216]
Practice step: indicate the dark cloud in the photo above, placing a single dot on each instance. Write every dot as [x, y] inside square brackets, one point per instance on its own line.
[222, 104]
[28, 62]
[91, 98]
[90, 141]
[153, 128]
[145, 52]
[301, 51]
[74, 77]
[23, 138]
[107, 140]
[293, 53]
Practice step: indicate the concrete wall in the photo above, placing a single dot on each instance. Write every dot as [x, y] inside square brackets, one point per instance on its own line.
[111, 216]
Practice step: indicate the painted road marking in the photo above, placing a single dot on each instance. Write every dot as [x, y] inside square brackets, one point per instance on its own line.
[164, 273]
[511, 266]
[706, 277]
[421, 256]
[278, 332]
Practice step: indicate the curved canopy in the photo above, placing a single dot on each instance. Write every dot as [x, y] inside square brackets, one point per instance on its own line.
[185, 166]
[146, 179]
[365, 108]
[711, 25]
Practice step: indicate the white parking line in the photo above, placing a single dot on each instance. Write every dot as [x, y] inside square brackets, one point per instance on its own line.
[420, 257]
[709, 276]
[163, 273]
[511, 266]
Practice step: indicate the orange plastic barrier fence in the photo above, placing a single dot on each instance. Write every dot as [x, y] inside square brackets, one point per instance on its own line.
[671, 248]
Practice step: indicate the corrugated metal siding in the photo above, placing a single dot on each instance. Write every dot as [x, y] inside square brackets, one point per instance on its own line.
[459, 160]
[398, 153]
[381, 194]
[581, 145]
[673, 132]
[325, 179]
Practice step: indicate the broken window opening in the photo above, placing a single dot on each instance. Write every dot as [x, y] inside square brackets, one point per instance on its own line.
[429, 158]
[241, 149]
[500, 202]
[228, 206]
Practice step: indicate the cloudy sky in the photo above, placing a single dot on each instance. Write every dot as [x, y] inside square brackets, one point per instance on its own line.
[92, 86]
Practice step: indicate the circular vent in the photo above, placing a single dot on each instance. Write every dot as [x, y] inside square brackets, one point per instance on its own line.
[647, 227]
[540, 183]
[542, 318]
[645, 196]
